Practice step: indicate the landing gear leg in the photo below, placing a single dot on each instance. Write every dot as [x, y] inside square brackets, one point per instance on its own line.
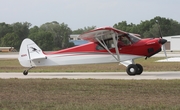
[25, 72]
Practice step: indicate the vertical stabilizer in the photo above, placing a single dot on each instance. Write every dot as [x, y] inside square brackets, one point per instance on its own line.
[28, 52]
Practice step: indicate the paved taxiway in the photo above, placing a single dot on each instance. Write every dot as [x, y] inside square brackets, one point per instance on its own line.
[94, 75]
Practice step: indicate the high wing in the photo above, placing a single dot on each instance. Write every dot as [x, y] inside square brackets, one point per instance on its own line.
[105, 33]
[102, 33]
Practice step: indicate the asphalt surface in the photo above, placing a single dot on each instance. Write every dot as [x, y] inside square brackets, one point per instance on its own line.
[94, 75]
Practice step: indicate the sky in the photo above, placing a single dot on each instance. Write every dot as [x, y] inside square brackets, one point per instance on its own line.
[83, 13]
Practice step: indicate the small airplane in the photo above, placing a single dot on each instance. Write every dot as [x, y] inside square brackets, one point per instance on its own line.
[106, 45]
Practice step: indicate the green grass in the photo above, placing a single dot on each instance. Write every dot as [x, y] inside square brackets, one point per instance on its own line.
[12, 65]
[91, 94]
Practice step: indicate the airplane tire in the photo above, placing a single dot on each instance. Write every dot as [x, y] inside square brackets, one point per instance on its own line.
[25, 72]
[132, 69]
[140, 69]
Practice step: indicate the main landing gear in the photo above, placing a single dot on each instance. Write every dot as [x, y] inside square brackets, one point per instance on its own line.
[134, 69]
[25, 72]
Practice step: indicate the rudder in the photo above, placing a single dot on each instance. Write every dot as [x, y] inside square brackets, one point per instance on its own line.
[28, 52]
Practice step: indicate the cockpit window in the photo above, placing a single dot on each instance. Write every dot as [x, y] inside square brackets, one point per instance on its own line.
[123, 40]
[109, 43]
[99, 47]
[133, 38]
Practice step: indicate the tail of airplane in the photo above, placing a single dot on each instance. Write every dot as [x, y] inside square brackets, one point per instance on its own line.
[29, 51]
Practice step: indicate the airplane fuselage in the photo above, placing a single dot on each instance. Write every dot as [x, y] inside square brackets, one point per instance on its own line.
[88, 53]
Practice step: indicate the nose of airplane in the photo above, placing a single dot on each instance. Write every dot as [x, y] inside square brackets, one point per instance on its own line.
[162, 41]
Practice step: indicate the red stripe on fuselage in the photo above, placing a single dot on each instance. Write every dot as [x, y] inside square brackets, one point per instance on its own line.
[139, 48]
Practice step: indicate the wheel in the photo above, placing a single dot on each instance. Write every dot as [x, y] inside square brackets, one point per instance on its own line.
[25, 72]
[132, 69]
[140, 69]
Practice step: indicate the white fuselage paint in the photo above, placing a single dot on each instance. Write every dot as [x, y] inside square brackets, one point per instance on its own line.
[71, 59]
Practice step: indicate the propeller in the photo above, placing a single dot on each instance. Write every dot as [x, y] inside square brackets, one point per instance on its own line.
[162, 41]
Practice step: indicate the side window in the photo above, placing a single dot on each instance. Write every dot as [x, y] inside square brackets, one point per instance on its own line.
[109, 43]
[126, 41]
[133, 38]
[99, 47]
[123, 41]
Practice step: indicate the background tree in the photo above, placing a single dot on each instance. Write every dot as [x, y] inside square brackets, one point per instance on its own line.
[21, 29]
[168, 27]
[12, 35]
[149, 28]
[60, 32]
[11, 40]
[43, 39]
[34, 29]
[174, 28]
[4, 29]
[132, 28]
[85, 29]
[153, 32]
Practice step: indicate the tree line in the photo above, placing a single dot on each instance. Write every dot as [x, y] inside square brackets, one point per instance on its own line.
[54, 35]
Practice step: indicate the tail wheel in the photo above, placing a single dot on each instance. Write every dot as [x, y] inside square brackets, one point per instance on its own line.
[140, 69]
[25, 72]
[132, 69]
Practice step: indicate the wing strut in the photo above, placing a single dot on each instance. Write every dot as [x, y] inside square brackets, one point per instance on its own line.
[115, 44]
[116, 47]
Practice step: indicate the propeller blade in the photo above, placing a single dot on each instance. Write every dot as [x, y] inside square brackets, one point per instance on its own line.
[162, 40]
[164, 49]
[159, 28]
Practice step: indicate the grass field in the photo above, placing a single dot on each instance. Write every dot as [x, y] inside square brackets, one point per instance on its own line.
[12, 65]
[89, 94]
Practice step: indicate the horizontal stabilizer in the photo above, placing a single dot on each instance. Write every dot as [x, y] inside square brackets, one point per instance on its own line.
[35, 52]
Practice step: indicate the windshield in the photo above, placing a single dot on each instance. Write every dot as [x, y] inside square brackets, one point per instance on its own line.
[133, 38]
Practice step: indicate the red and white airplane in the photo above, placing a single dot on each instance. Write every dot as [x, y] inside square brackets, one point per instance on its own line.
[106, 45]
